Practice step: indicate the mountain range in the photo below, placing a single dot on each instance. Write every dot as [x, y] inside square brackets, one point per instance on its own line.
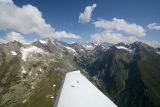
[31, 74]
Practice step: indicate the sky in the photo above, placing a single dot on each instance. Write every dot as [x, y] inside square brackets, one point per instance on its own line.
[81, 20]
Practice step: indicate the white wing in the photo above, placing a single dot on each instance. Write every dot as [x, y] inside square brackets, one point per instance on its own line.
[78, 91]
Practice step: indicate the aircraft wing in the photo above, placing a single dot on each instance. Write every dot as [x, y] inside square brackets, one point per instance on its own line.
[78, 91]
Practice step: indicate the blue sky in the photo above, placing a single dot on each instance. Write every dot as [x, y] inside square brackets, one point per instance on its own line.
[63, 15]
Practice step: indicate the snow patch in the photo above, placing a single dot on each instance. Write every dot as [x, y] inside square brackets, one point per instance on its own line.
[124, 48]
[32, 87]
[13, 53]
[69, 48]
[51, 97]
[27, 52]
[54, 85]
[23, 70]
[24, 101]
[40, 70]
[43, 41]
[30, 73]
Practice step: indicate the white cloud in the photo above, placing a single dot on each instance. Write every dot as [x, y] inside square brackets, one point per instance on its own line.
[86, 15]
[152, 43]
[26, 20]
[2, 40]
[6, 1]
[118, 30]
[12, 36]
[115, 38]
[64, 34]
[154, 26]
[121, 25]
[112, 37]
